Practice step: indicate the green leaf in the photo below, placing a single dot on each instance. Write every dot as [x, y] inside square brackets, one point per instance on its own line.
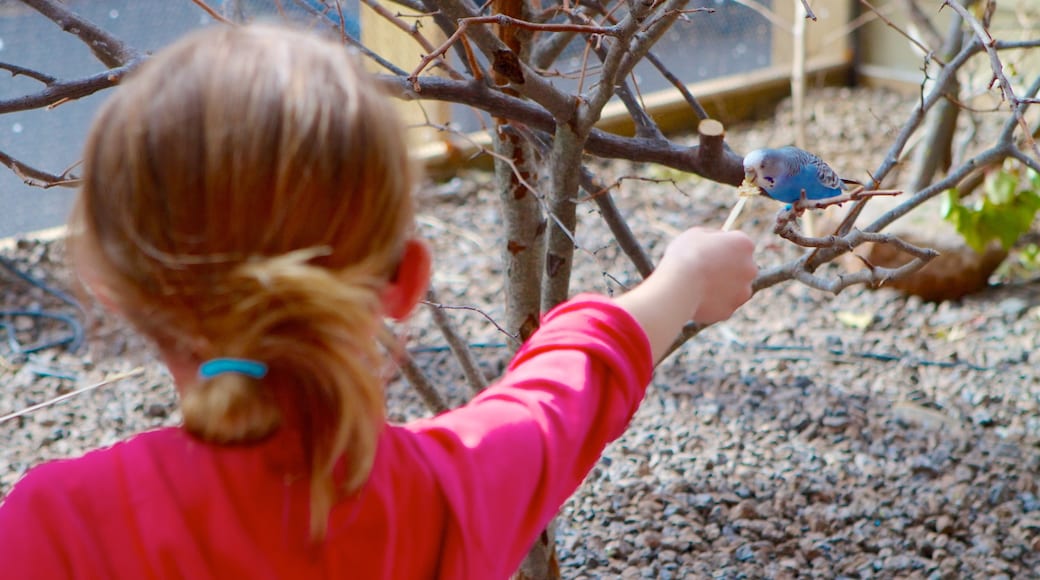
[1001, 186]
[1030, 200]
[1000, 225]
[1004, 213]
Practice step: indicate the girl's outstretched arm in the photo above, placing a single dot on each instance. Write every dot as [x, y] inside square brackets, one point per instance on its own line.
[508, 460]
[704, 275]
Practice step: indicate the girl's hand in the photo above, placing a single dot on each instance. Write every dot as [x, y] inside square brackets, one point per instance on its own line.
[720, 264]
[704, 275]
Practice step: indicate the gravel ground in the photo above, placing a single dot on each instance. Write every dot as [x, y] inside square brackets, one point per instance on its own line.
[864, 435]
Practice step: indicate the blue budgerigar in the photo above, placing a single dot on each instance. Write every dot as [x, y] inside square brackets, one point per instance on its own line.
[784, 173]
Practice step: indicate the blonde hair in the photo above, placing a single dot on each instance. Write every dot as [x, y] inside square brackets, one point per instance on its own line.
[247, 193]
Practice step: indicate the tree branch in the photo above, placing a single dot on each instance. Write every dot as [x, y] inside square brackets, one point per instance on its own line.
[459, 348]
[989, 44]
[111, 51]
[62, 91]
[16, 70]
[36, 177]
[730, 170]
[413, 373]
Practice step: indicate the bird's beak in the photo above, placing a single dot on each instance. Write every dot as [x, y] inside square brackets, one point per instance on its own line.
[750, 175]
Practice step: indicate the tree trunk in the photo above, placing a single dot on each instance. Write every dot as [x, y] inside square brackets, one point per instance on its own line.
[565, 173]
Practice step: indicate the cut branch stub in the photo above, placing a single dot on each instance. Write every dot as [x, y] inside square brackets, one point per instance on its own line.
[712, 133]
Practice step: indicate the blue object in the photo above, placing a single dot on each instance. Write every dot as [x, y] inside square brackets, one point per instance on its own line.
[242, 366]
[784, 174]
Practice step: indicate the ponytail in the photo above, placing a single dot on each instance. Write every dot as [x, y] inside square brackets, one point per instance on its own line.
[316, 329]
[230, 408]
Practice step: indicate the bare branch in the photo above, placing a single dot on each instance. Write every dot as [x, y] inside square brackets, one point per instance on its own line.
[679, 85]
[808, 11]
[62, 91]
[559, 104]
[111, 51]
[644, 124]
[892, 157]
[989, 43]
[462, 352]
[730, 170]
[36, 177]
[414, 375]
[623, 234]
[512, 338]
[213, 12]
[920, 20]
[413, 31]
[929, 52]
[1002, 149]
[502, 20]
[637, 49]
[16, 70]
[870, 276]
[613, 69]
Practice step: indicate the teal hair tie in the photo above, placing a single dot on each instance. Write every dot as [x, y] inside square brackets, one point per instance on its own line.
[242, 366]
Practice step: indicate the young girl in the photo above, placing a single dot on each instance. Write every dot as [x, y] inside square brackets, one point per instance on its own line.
[247, 205]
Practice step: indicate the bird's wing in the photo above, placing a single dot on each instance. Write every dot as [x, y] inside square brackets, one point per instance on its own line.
[828, 178]
[826, 175]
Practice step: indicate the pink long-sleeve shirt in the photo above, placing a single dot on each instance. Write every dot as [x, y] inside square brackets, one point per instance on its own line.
[460, 495]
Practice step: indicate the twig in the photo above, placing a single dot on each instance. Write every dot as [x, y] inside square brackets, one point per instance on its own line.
[875, 277]
[414, 375]
[808, 11]
[36, 177]
[470, 367]
[213, 13]
[16, 70]
[108, 381]
[623, 234]
[892, 157]
[501, 20]
[413, 31]
[62, 91]
[111, 51]
[930, 53]
[988, 43]
[680, 86]
[921, 21]
[486, 316]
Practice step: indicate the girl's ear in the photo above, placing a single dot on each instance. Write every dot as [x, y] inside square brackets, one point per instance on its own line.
[409, 283]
